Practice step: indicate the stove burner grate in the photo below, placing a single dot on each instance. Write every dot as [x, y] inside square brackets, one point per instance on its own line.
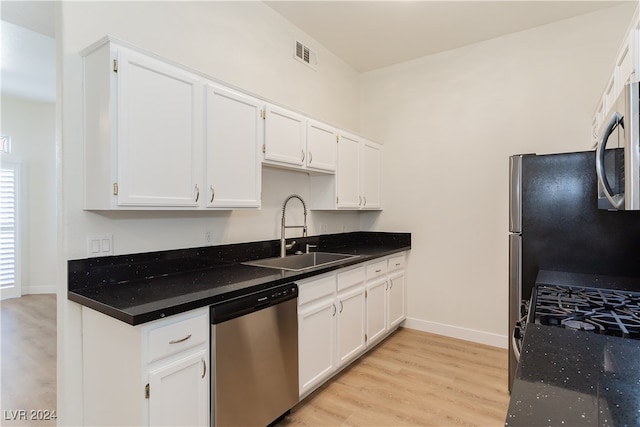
[603, 311]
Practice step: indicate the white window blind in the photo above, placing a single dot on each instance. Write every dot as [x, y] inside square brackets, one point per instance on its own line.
[8, 225]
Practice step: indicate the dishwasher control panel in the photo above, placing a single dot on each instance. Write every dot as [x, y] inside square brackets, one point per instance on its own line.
[230, 309]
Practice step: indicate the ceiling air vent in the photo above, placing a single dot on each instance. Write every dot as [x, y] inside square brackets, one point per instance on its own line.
[305, 55]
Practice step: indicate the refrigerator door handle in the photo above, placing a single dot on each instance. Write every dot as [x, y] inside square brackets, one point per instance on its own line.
[515, 197]
[616, 200]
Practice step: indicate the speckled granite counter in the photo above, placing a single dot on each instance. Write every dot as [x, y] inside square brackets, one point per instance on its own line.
[138, 288]
[575, 378]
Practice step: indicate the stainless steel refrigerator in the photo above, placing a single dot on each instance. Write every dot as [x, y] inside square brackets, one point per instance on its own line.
[555, 225]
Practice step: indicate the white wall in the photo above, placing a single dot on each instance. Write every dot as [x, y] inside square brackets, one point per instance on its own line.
[449, 122]
[243, 43]
[31, 125]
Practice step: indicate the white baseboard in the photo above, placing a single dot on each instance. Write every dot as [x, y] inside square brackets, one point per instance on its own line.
[472, 335]
[49, 289]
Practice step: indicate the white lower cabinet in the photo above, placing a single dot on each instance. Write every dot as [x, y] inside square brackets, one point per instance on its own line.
[342, 313]
[153, 374]
[376, 309]
[350, 303]
[377, 300]
[396, 300]
[316, 331]
[178, 394]
[385, 296]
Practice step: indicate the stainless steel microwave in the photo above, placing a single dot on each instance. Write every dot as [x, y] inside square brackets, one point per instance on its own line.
[618, 154]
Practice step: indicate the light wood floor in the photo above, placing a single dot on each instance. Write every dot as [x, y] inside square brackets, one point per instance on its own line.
[28, 359]
[411, 379]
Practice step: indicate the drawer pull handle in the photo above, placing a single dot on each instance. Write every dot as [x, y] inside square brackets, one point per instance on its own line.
[204, 364]
[181, 340]
[397, 264]
[378, 271]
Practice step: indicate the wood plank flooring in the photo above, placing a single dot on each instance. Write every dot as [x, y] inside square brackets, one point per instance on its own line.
[28, 359]
[411, 379]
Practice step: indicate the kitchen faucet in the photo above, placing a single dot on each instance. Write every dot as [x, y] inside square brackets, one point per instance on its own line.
[283, 242]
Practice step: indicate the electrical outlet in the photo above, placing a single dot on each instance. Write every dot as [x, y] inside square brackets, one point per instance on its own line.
[98, 246]
[208, 237]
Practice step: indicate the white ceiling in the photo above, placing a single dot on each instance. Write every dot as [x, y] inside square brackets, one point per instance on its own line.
[374, 34]
[365, 34]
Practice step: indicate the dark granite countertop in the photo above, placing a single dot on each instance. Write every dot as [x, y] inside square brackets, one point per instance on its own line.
[575, 378]
[139, 288]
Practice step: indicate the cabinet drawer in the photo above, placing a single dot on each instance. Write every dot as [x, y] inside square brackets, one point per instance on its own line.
[396, 263]
[375, 269]
[349, 278]
[315, 289]
[178, 336]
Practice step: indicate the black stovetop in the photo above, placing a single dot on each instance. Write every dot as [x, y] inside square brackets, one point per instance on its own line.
[598, 310]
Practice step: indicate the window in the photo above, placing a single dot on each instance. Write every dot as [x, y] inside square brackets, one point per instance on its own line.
[9, 271]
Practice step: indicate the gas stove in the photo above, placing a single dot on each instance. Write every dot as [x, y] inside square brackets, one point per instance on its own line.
[596, 310]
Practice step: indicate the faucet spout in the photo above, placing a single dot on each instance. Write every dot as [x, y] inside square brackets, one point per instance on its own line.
[283, 226]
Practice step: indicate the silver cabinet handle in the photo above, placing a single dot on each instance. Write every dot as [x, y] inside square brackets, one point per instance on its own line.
[197, 193]
[378, 270]
[386, 286]
[180, 340]
[365, 200]
[360, 201]
[616, 200]
[213, 193]
[302, 155]
[334, 310]
[341, 306]
[390, 284]
[310, 157]
[204, 366]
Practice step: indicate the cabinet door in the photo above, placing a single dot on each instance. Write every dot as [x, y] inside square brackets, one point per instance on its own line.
[234, 132]
[321, 146]
[370, 175]
[284, 136]
[396, 298]
[348, 173]
[624, 63]
[159, 138]
[351, 317]
[316, 343]
[376, 309]
[179, 392]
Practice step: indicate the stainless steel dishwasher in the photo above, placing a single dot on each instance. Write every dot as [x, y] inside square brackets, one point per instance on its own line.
[254, 357]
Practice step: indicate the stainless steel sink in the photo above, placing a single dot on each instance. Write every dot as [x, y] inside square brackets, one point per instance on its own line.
[301, 262]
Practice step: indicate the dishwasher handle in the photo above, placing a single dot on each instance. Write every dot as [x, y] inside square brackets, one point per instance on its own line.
[252, 302]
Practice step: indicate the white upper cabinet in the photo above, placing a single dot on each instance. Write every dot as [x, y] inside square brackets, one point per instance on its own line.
[348, 176]
[625, 70]
[142, 131]
[158, 136]
[321, 146]
[234, 135]
[357, 182]
[370, 170]
[284, 141]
